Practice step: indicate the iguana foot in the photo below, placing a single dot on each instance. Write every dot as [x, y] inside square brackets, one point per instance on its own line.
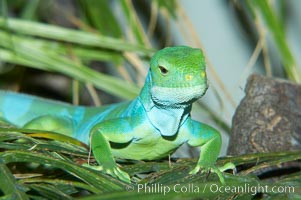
[227, 166]
[217, 170]
[113, 171]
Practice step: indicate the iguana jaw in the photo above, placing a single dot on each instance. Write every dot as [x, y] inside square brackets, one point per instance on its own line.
[177, 96]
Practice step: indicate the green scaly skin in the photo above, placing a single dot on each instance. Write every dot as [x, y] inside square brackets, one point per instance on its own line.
[150, 127]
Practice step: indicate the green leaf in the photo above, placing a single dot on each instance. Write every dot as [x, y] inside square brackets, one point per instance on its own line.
[46, 190]
[134, 23]
[61, 49]
[8, 184]
[99, 180]
[67, 185]
[69, 35]
[100, 15]
[30, 9]
[37, 57]
[15, 133]
[277, 31]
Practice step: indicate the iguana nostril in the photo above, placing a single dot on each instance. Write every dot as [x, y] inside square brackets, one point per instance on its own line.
[188, 77]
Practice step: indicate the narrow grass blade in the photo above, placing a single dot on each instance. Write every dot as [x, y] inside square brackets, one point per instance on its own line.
[277, 31]
[100, 15]
[69, 35]
[8, 184]
[99, 181]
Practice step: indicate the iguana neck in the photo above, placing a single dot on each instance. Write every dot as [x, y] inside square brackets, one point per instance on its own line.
[165, 118]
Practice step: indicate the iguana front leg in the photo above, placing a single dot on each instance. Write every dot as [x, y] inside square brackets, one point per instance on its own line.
[119, 131]
[209, 139]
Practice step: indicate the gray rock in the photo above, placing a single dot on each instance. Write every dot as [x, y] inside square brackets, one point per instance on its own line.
[268, 118]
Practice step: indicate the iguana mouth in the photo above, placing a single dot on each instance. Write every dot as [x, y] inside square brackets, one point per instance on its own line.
[176, 96]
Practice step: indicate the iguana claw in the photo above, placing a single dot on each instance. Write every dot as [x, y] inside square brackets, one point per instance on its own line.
[217, 170]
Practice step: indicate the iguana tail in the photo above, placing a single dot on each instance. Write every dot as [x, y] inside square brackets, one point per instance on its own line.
[19, 109]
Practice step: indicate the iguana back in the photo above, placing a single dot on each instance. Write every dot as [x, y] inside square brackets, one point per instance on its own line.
[20, 109]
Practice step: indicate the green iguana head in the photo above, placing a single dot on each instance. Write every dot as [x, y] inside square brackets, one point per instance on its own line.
[178, 75]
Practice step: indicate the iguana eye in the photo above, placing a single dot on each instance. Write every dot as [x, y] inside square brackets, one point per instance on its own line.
[163, 70]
